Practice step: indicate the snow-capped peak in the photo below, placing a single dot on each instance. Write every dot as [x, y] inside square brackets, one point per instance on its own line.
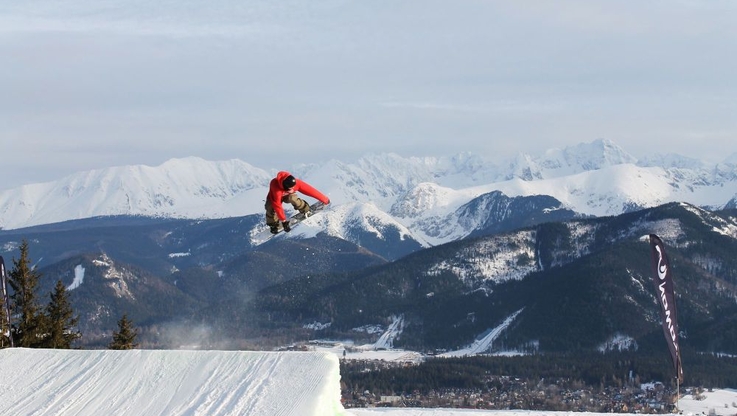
[554, 163]
[187, 188]
[415, 195]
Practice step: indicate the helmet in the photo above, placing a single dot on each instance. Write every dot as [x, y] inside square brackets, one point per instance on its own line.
[288, 182]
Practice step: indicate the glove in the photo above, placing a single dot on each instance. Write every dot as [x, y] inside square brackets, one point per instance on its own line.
[286, 226]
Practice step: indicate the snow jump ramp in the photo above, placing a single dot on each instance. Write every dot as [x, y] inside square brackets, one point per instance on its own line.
[157, 382]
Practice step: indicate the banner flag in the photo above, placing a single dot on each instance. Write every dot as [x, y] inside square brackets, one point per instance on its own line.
[663, 280]
[5, 326]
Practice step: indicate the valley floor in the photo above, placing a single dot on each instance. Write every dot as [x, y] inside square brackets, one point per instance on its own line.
[157, 382]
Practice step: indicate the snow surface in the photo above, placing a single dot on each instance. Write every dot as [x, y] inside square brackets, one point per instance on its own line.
[212, 383]
[78, 277]
[382, 349]
[157, 382]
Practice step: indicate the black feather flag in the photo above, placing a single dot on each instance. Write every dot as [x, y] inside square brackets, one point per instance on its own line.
[663, 280]
[5, 326]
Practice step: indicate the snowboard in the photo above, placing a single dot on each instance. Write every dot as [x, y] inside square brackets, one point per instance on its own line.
[264, 233]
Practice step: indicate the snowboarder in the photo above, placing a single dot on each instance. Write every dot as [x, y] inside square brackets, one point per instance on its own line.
[283, 189]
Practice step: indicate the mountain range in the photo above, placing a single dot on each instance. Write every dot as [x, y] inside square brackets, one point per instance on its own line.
[552, 246]
[583, 283]
[429, 201]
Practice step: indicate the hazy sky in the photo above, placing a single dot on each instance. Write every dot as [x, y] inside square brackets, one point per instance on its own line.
[88, 84]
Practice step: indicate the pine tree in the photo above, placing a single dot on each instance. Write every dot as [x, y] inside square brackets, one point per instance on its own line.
[24, 280]
[125, 338]
[61, 320]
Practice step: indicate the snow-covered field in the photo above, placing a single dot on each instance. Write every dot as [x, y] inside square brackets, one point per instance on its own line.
[211, 383]
[168, 383]
[383, 349]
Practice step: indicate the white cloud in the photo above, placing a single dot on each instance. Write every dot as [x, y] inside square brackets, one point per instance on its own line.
[104, 83]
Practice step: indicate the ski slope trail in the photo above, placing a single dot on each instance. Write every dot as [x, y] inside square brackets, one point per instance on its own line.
[386, 340]
[483, 345]
[156, 382]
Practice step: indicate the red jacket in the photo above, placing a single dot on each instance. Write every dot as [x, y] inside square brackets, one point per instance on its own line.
[277, 192]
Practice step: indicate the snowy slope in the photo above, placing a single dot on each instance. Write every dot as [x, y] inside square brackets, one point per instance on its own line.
[483, 344]
[414, 197]
[156, 382]
[212, 383]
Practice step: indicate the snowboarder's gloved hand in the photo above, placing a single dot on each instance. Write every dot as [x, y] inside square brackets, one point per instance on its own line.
[286, 226]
